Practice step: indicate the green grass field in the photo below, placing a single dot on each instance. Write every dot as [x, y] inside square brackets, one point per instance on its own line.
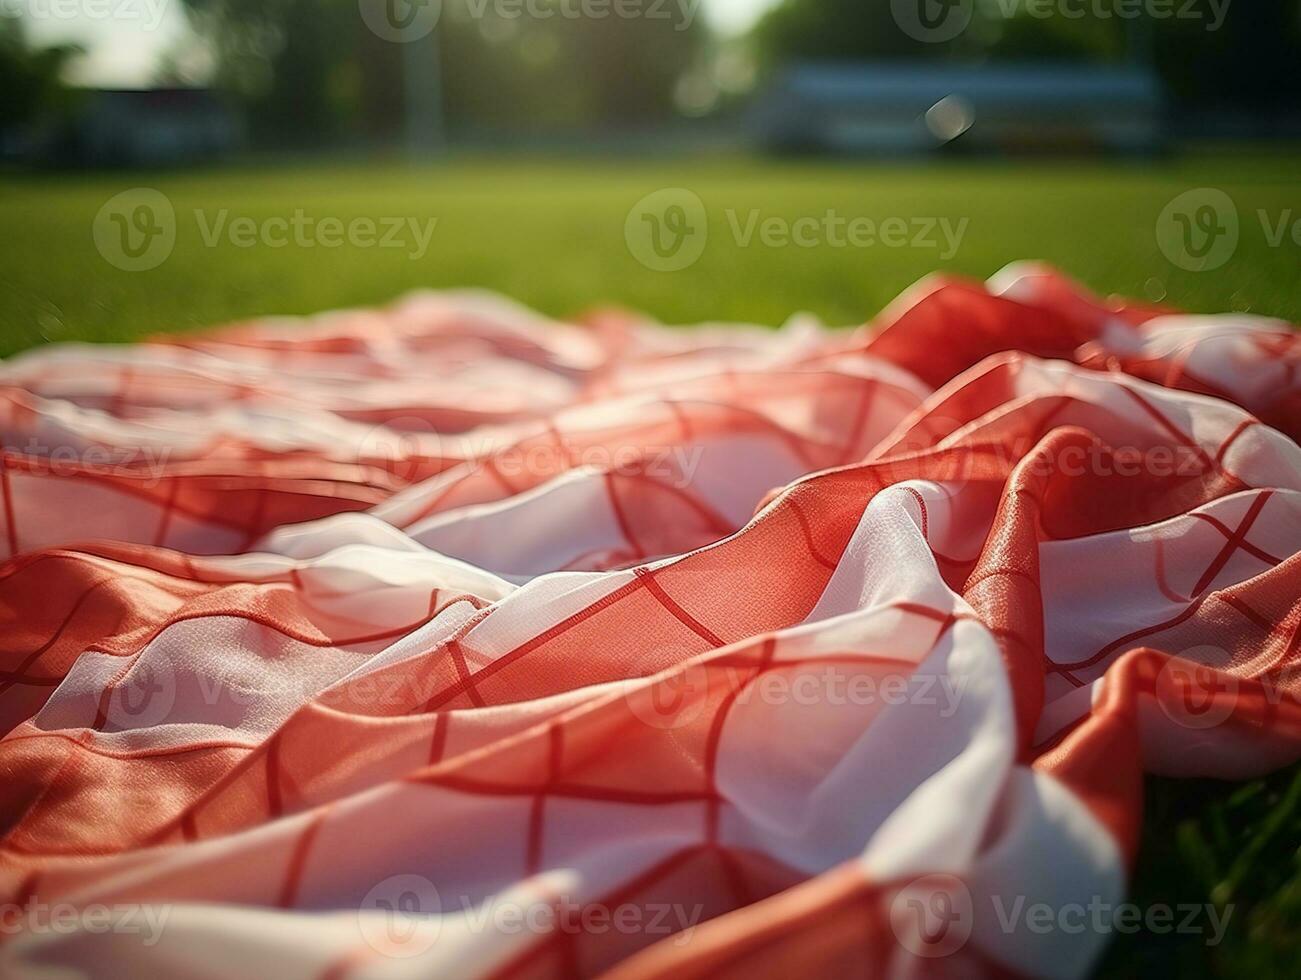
[552, 234]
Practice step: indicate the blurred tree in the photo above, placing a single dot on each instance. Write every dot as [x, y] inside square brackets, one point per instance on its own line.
[839, 30]
[1022, 36]
[1251, 59]
[557, 69]
[292, 63]
[1228, 52]
[31, 79]
[848, 29]
[311, 68]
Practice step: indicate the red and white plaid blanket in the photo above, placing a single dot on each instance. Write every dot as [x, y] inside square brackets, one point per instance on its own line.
[450, 641]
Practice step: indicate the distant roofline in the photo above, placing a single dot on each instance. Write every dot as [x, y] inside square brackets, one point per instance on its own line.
[145, 90]
[934, 67]
[1030, 82]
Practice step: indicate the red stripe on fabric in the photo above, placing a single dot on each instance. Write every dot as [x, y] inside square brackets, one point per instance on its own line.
[19, 674]
[612, 899]
[504, 661]
[275, 804]
[11, 529]
[1232, 544]
[463, 671]
[1241, 427]
[555, 750]
[767, 649]
[689, 621]
[1170, 428]
[438, 739]
[807, 531]
[298, 859]
[466, 784]
[169, 506]
[1246, 546]
[621, 519]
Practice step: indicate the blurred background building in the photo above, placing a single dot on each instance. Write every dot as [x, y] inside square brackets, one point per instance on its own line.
[883, 107]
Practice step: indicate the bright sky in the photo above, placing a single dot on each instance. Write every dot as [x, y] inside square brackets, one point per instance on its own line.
[125, 38]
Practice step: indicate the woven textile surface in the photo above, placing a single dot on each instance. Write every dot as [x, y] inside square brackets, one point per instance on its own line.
[451, 641]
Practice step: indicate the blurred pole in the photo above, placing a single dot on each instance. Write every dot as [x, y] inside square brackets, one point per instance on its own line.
[423, 96]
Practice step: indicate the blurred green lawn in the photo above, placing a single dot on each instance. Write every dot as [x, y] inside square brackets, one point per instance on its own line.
[551, 234]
